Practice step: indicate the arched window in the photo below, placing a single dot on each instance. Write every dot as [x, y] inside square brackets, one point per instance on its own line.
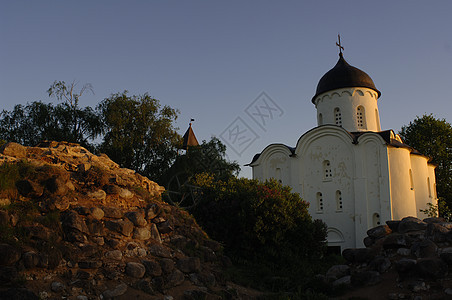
[320, 119]
[360, 117]
[327, 174]
[429, 188]
[338, 201]
[319, 202]
[338, 116]
[376, 219]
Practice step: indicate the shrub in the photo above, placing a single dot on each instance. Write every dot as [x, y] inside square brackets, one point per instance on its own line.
[257, 218]
[266, 229]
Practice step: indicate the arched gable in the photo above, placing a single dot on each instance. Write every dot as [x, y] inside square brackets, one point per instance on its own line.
[270, 150]
[274, 162]
[319, 132]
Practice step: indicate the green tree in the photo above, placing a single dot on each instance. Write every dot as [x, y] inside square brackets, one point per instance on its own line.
[79, 124]
[139, 133]
[209, 157]
[433, 137]
[32, 123]
[254, 218]
[263, 226]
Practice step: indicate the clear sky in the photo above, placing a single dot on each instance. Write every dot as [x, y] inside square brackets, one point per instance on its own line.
[213, 59]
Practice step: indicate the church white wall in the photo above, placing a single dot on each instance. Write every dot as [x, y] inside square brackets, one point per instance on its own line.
[372, 178]
[274, 162]
[347, 100]
[403, 201]
[421, 180]
[433, 198]
[337, 207]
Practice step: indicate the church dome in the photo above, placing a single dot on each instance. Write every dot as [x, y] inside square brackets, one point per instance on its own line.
[344, 75]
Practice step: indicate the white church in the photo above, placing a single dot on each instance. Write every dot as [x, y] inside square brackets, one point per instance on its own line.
[354, 175]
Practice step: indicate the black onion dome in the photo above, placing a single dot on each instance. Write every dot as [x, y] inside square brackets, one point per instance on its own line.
[343, 75]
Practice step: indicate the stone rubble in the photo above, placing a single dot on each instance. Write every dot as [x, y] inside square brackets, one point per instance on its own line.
[418, 251]
[99, 232]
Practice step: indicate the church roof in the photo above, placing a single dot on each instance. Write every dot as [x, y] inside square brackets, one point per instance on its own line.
[386, 135]
[189, 139]
[344, 75]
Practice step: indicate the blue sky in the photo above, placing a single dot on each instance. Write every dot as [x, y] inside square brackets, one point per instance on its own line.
[212, 59]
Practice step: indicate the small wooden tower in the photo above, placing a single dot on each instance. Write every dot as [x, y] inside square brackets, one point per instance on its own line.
[189, 138]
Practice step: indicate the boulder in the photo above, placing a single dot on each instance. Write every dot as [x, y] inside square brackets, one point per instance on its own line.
[125, 227]
[393, 225]
[14, 149]
[141, 233]
[72, 220]
[137, 218]
[160, 251]
[167, 265]
[424, 248]
[379, 231]
[152, 211]
[112, 212]
[155, 233]
[125, 194]
[153, 268]
[394, 241]
[97, 213]
[135, 270]
[165, 227]
[119, 290]
[113, 254]
[113, 243]
[189, 265]
[337, 271]
[95, 227]
[411, 224]
[174, 279]
[99, 195]
[437, 232]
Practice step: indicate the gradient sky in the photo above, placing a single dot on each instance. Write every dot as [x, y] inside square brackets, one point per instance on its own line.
[212, 59]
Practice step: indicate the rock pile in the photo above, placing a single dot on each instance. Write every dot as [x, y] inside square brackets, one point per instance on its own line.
[417, 252]
[75, 225]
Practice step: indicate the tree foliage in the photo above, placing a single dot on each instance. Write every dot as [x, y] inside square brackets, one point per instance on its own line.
[257, 219]
[433, 137]
[209, 157]
[265, 229]
[139, 133]
[37, 121]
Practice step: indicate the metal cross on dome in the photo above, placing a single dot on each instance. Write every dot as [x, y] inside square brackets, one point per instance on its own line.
[339, 43]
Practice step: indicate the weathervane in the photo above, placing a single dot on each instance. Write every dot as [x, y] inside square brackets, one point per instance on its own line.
[339, 44]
